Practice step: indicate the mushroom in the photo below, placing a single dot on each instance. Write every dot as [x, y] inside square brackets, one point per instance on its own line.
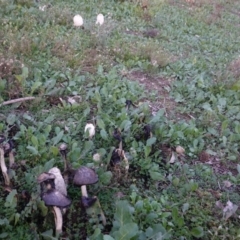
[46, 179]
[58, 180]
[8, 150]
[63, 152]
[100, 19]
[57, 200]
[90, 129]
[2, 162]
[119, 153]
[82, 177]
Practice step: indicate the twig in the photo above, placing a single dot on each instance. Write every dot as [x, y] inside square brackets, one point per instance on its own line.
[16, 100]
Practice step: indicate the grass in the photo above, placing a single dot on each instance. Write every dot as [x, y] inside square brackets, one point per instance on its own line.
[178, 62]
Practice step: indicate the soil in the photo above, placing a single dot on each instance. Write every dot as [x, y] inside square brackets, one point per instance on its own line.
[161, 86]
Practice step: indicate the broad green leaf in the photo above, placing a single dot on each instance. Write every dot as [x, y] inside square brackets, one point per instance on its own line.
[11, 119]
[156, 176]
[100, 123]
[34, 141]
[54, 150]
[107, 237]
[97, 235]
[207, 107]
[49, 164]
[126, 124]
[185, 207]
[123, 212]
[11, 200]
[3, 235]
[88, 145]
[48, 235]
[4, 222]
[35, 86]
[175, 182]
[106, 177]
[33, 150]
[197, 232]
[147, 150]
[151, 141]
[158, 116]
[86, 111]
[104, 134]
[44, 210]
[49, 119]
[58, 138]
[126, 232]
[157, 231]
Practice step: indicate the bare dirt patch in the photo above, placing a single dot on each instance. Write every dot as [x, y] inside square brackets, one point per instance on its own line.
[161, 86]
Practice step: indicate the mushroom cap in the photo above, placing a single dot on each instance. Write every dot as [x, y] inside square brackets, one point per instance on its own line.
[45, 177]
[63, 147]
[53, 197]
[58, 180]
[85, 176]
[8, 147]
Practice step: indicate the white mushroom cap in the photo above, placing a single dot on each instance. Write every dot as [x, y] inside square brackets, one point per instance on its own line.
[100, 19]
[77, 20]
[90, 128]
[58, 181]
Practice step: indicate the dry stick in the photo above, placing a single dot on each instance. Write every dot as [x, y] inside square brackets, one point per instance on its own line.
[16, 100]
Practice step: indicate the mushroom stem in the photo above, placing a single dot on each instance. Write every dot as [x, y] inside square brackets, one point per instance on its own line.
[4, 168]
[11, 159]
[120, 145]
[58, 220]
[125, 160]
[84, 191]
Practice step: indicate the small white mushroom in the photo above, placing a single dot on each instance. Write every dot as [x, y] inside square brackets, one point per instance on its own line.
[90, 128]
[100, 19]
[77, 20]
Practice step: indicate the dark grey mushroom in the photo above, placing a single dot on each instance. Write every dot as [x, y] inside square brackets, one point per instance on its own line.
[57, 200]
[82, 177]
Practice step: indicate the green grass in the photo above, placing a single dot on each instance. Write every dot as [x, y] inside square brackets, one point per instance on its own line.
[187, 54]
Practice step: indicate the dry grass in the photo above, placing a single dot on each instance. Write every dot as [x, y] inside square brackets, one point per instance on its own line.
[234, 68]
[8, 69]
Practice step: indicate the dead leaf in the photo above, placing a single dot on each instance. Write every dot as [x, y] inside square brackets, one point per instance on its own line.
[229, 210]
[227, 184]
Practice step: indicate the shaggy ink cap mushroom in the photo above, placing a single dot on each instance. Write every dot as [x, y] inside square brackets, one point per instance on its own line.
[85, 176]
[52, 197]
[82, 177]
[57, 201]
